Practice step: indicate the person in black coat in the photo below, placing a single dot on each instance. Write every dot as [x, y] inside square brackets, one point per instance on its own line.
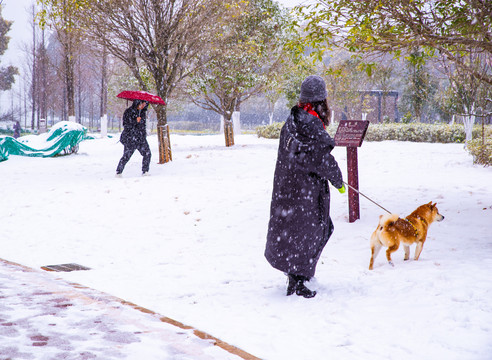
[300, 223]
[134, 136]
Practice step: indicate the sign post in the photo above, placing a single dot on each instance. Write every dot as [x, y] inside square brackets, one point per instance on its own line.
[350, 133]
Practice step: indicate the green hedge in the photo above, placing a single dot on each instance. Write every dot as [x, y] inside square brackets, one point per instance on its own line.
[270, 131]
[417, 132]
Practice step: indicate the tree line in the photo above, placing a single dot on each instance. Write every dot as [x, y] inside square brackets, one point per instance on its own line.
[221, 54]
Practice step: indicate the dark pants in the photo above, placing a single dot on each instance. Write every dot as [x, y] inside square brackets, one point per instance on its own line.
[143, 149]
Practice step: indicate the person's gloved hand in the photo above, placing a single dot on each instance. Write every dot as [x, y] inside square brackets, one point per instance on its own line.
[342, 189]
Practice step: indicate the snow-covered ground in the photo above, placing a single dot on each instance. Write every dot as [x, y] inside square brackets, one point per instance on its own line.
[187, 242]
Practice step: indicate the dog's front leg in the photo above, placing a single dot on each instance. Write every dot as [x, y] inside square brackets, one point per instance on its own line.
[407, 252]
[418, 250]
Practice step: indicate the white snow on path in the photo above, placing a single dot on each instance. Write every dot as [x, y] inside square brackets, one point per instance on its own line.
[45, 318]
[188, 241]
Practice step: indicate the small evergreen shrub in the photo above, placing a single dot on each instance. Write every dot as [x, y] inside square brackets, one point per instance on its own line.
[481, 150]
[482, 153]
[270, 131]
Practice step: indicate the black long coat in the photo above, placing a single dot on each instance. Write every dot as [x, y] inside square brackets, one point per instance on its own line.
[300, 223]
[134, 132]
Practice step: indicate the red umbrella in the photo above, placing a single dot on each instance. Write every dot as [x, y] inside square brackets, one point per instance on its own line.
[141, 95]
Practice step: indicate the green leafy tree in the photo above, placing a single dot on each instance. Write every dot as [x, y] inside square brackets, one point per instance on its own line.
[442, 27]
[419, 89]
[6, 73]
[243, 60]
[344, 81]
[300, 69]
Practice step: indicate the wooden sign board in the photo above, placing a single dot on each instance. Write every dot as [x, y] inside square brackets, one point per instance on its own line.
[351, 133]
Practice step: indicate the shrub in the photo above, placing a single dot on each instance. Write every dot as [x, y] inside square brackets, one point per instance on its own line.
[193, 126]
[481, 150]
[270, 131]
[416, 132]
[407, 118]
[482, 153]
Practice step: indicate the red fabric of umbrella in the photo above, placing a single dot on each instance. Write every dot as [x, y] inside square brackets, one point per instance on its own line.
[141, 95]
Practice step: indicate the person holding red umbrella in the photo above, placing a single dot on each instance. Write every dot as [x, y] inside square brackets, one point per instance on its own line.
[134, 136]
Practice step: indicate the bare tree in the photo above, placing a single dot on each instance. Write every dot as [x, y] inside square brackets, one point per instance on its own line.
[43, 83]
[103, 109]
[62, 15]
[34, 77]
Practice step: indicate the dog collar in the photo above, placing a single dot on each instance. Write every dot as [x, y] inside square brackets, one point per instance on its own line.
[411, 223]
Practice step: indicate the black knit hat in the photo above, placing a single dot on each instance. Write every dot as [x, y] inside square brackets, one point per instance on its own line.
[313, 89]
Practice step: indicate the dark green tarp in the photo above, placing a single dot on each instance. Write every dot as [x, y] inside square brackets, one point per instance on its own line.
[63, 138]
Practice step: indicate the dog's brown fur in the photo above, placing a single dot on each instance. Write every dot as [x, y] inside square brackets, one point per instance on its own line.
[392, 231]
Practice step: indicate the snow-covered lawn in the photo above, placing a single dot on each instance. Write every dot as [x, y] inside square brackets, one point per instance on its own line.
[188, 242]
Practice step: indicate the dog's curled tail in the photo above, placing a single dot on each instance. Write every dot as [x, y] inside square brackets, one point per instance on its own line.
[387, 220]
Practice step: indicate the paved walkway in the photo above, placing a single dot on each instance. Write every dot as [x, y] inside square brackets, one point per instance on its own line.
[42, 317]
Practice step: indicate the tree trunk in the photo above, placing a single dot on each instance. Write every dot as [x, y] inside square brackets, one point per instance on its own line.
[34, 87]
[79, 93]
[70, 85]
[163, 135]
[228, 129]
[69, 73]
[104, 83]
[104, 94]
[271, 109]
[468, 122]
[64, 108]
[44, 99]
[25, 105]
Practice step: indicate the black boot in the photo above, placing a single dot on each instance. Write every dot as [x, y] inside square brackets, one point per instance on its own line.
[302, 290]
[292, 286]
[296, 284]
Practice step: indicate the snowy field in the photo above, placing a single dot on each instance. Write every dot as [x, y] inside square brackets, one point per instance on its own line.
[188, 241]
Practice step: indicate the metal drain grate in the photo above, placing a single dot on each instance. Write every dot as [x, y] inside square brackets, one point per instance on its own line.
[64, 267]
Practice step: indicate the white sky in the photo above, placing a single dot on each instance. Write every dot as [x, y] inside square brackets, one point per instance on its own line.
[20, 32]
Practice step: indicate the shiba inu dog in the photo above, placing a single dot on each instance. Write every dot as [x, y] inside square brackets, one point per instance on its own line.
[392, 230]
